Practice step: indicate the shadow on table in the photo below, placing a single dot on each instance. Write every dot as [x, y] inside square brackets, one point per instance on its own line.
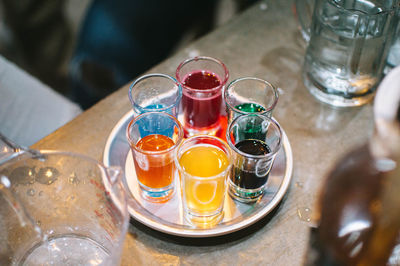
[210, 241]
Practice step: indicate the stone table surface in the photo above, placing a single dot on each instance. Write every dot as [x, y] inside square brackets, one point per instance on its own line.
[264, 41]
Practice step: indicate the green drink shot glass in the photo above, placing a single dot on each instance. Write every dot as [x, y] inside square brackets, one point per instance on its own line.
[250, 95]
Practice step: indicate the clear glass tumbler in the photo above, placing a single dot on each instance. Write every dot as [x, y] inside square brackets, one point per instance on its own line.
[349, 43]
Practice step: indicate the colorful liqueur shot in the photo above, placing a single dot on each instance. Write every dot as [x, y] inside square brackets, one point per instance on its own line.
[204, 163]
[250, 108]
[245, 178]
[202, 79]
[162, 169]
[250, 95]
[155, 93]
[153, 138]
[253, 155]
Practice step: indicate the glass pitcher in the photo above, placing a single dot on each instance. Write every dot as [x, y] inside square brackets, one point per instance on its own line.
[59, 208]
[347, 45]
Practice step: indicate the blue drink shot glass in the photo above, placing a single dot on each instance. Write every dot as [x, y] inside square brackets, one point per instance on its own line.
[155, 93]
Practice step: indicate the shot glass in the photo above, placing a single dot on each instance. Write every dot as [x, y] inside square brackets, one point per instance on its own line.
[203, 80]
[153, 138]
[204, 164]
[253, 154]
[250, 95]
[155, 93]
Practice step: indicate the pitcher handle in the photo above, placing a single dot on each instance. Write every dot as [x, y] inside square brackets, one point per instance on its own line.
[4, 141]
[303, 10]
[23, 216]
[9, 149]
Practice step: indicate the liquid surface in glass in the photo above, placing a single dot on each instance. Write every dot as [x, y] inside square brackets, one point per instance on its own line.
[250, 107]
[202, 80]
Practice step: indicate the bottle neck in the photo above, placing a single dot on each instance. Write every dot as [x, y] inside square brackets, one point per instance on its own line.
[385, 142]
[386, 139]
[384, 237]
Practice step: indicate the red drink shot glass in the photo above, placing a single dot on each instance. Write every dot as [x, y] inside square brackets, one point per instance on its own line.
[202, 79]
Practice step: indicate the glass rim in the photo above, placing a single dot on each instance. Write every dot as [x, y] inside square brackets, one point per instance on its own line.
[36, 154]
[196, 58]
[135, 119]
[244, 154]
[361, 13]
[222, 173]
[160, 75]
[269, 109]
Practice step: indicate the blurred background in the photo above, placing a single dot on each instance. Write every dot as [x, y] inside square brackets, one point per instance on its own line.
[60, 57]
[85, 49]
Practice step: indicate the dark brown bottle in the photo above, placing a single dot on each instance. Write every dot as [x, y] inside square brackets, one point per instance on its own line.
[359, 205]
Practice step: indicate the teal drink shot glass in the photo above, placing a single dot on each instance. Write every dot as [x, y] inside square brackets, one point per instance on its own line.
[250, 95]
[155, 92]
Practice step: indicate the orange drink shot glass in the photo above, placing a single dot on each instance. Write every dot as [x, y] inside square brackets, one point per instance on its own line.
[153, 138]
[204, 164]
